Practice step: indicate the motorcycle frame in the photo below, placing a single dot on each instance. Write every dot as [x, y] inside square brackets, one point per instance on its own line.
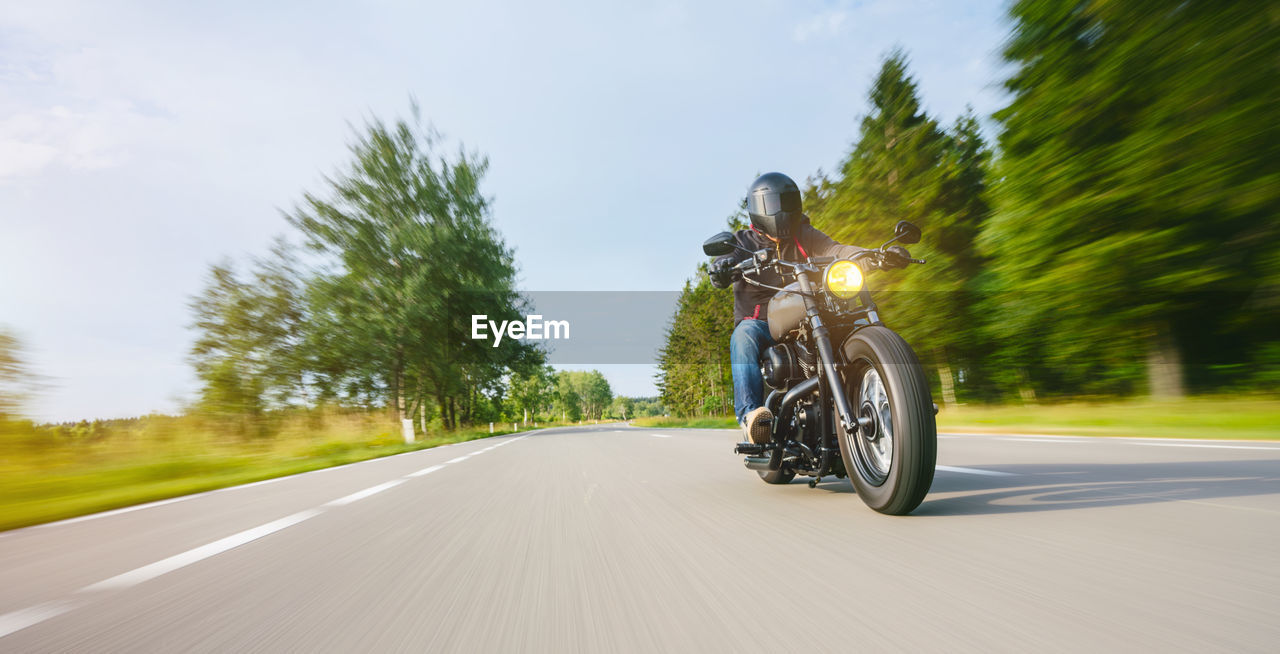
[828, 384]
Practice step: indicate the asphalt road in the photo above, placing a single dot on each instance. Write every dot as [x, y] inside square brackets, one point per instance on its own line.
[625, 539]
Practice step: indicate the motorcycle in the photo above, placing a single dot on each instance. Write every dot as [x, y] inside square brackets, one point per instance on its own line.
[862, 409]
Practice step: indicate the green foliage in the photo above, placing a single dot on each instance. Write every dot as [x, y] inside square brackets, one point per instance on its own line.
[16, 378]
[694, 374]
[410, 246]
[247, 355]
[406, 253]
[636, 407]
[1128, 229]
[903, 166]
[1137, 219]
[582, 395]
[533, 392]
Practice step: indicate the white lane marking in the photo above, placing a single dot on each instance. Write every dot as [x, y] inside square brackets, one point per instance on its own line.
[424, 471]
[1218, 447]
[360, 495]
[974, 471]
[1138, 440]
[661, 435]
[263, 482]
[1035, 439]
[127, 509]
[151, 571]
[21, 619]
[457, 459]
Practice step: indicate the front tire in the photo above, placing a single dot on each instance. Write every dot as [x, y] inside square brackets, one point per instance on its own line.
[893, 469]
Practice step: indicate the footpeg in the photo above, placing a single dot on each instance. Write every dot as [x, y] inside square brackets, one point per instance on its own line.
[749, 448]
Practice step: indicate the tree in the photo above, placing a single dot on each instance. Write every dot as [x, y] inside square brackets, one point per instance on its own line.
[1140, 189]
[903, 166]
[16, 379]
[247, 354]
[585, 394]
[533, 392]
[694, 374]
[412, 255]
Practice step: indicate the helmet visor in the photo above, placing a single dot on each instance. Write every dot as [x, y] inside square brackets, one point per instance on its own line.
[767, 202]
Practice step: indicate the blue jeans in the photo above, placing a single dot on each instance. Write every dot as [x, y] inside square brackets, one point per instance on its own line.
[750, 338]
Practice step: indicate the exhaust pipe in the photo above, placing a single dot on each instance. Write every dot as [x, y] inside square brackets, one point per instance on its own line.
[758, 463]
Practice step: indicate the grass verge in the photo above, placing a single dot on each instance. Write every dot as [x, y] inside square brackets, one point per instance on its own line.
[43, 482]
[664, 422]
[1245, 418]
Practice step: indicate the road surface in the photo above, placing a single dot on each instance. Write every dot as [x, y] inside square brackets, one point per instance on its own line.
[613, 538]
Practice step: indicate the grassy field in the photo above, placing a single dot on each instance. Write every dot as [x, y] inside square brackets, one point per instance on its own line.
[662, 422]
[1252, 418]
[46, 477]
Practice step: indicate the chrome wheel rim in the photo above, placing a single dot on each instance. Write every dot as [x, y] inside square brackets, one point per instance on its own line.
[875, 443]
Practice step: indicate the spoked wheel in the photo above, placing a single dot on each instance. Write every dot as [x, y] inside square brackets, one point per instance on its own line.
[891, 455]
[875, 442]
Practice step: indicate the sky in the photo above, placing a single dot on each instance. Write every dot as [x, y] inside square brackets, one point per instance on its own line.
[141, 142]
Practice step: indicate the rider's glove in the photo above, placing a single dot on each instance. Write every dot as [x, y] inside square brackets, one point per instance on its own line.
[721, 273]
[895, 256]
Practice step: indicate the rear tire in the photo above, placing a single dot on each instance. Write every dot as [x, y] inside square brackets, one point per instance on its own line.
[779, 476]
[892, 473]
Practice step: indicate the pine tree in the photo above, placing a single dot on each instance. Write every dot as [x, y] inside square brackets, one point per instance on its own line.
[1140, 189]
[904, 167]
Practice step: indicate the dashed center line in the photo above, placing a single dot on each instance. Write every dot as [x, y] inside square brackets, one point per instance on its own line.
[974, 471]
[372, 490]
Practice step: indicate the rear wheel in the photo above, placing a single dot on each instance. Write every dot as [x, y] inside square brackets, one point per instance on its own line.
[783, 475]
[890, 459]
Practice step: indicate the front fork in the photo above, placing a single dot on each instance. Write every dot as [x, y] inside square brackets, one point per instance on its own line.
[826, 354]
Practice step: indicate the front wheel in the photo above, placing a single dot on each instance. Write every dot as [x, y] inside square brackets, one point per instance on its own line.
[890, 459]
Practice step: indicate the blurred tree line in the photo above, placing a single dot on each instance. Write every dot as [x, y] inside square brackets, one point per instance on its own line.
[375, 312]
[567, 395]
[1122, 238]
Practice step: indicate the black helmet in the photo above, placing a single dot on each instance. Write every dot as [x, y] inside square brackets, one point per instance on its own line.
[773, 202]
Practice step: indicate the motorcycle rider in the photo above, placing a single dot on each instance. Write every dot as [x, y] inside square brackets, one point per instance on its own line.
[777, 222]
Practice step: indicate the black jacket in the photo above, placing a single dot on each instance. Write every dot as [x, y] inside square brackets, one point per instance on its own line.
[752, 301]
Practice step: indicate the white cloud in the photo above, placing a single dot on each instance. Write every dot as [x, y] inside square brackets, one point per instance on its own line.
[92, 139]
[824, 24]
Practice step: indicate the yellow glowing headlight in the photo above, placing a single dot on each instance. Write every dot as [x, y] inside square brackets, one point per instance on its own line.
[844, 279]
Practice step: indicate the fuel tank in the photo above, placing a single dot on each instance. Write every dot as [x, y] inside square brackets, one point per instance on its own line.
[786, 310]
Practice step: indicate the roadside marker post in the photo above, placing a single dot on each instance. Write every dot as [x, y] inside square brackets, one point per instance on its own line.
[406, 428]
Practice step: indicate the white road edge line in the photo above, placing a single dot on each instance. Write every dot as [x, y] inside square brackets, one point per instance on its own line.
[661, 435]
[1033, 439]
[262, 482]
[151, 571]
[1218, 447]
[974, 471]
[23, 618]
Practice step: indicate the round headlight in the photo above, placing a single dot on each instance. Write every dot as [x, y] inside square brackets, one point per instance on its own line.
[843, 279]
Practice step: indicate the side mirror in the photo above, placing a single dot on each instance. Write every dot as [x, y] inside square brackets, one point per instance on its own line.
[905, 232]
[720, 244]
